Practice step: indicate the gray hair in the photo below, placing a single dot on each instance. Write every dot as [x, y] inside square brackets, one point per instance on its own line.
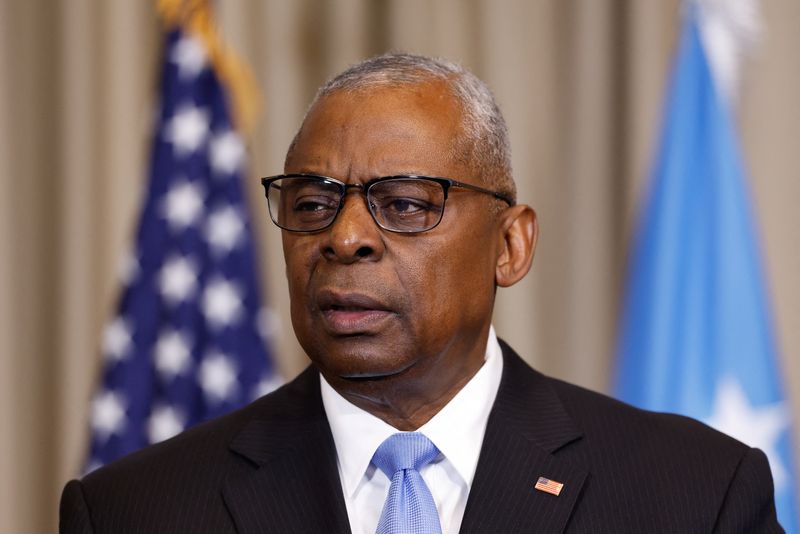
[483, 142]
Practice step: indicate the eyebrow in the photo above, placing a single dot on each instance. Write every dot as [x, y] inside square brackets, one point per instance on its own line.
[306, 170]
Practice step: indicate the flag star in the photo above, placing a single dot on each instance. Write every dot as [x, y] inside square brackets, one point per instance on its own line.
[172, 354]
[226, 152]
[224, 228]
[164, 422]
[117, 339]
[94, 464]
[190, 57]
[760, 427]
[183, 204]
[108, 414]
[128, 268]
[177, 279]
[268, 323]
[187, 129]
[222, 303]
[268, 383]
[217, 377]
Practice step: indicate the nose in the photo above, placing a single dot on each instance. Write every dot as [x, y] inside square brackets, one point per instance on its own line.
[354, 236]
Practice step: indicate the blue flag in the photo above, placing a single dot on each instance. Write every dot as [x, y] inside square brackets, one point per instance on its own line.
[187, 340]
[696, 335]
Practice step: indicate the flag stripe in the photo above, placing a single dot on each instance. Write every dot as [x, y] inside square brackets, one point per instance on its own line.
[549, 486]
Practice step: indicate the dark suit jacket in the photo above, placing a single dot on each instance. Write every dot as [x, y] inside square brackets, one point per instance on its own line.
[271, 467]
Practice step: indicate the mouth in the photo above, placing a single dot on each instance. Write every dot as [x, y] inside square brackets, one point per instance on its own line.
[348, 314]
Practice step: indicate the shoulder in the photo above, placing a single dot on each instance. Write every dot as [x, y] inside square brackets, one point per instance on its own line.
[664, 462]
[618, 437]
[604, 421]
[211, 439]
[652, 464]
[181, 477]
[207, 441]
[600, 415]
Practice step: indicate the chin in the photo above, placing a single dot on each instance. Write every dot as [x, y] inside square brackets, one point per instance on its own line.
[365, 375]
[359, 364]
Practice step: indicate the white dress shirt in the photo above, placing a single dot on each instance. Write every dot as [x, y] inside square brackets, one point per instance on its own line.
[457, 431]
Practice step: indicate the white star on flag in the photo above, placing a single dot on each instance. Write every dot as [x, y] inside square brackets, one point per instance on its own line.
[187, 129]
[268, 323]
[267, 384]
[190, 57]
[222, 303]
[223, 229]
[217, 377]
[128, 268]
[94, 464]
[117, 339]
[182, 205]
[760, 427]
[108, 414]
[164, 422]
[226, 153]
[177, 279]
[172, 354]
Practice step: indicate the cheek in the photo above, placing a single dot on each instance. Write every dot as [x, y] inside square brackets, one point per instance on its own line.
[449, 281]
[300, 256]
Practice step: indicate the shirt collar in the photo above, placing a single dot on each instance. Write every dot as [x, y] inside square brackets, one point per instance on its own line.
[457, 430]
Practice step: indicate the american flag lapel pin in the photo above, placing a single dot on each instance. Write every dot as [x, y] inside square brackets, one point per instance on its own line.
[549, 486]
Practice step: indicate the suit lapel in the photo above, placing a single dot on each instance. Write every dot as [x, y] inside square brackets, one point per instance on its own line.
[291, 480]
[526, 428]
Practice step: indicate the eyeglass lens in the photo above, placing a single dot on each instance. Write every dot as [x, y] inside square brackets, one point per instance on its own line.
[400, 205]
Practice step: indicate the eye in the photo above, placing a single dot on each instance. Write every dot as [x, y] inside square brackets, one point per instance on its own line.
[404, 205]
[314, 203]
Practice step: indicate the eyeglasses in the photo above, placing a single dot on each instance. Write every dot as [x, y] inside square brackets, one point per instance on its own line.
[406, 204]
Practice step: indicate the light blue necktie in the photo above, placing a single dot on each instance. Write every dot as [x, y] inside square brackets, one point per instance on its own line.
[409, 507]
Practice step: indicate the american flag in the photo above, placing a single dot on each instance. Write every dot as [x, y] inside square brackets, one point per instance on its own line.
[549, 486]
[188, 341]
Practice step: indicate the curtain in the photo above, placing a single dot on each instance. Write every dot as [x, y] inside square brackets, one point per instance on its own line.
[580, 82]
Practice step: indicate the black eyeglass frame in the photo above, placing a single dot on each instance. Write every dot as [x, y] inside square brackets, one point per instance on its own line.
[445, 183]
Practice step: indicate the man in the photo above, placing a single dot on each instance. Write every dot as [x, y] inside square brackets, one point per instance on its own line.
[399, 222]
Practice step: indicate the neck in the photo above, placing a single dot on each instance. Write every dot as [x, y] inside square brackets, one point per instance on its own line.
[409, 399]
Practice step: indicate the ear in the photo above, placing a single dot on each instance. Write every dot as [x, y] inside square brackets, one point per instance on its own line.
[518, 233]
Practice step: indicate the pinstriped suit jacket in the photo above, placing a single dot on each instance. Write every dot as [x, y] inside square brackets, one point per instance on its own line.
[271, 467]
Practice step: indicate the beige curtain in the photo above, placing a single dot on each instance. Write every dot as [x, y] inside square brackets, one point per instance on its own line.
[580, 82]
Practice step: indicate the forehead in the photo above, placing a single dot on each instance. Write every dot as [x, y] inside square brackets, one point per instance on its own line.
[380, 131]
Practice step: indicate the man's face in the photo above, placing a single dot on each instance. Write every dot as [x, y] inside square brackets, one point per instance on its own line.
[368, 303]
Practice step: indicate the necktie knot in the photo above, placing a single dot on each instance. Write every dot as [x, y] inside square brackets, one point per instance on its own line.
[404, 450]
[409, 506]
